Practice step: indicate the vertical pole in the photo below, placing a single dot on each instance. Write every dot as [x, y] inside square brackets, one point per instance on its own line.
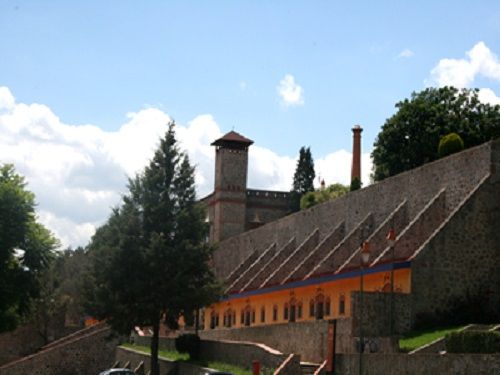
[392, 293]
[361, 339]
[255, 367]
[330, 357]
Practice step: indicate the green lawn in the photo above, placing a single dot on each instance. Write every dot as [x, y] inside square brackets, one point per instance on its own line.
[176, 356]
[415, 339]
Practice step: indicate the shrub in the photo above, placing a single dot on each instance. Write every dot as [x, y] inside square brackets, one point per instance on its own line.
[188, 343]
[449, 144]
[355, 184]
[473, 342]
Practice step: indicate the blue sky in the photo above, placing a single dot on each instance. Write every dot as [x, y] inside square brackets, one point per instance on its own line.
[103, 62]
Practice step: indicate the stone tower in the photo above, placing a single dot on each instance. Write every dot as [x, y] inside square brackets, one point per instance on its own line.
[230, 187]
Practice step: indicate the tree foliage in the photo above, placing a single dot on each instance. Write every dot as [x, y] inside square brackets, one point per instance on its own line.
[313, 198]
[150, 260]
[303, 179]
[411, 136]
[26, 249]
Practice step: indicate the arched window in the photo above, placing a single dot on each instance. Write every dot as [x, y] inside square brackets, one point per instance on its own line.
[275, 313]
[311, 308]
[320, 305]
[327, 306]
[299, 310]
[213, 322]
[262, 314]
[253, 316]
[285, 312]
[341, 304]
[228, 318]
[248, 312]
[293, 310]
[242, 317]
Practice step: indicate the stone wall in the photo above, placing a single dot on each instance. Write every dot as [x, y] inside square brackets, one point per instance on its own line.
[240, 354]
[26, 339]
[377, 312]
[18, 343]
[86, 355]
[419, 364]
[309, 339]
[463, 257]
[124, 355]
[458, 173]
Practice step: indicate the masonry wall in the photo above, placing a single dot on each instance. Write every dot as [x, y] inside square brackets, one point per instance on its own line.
[419, 364]
[86, 355]
[309, 339]
[464, 256]
[377, 312]
[237, 353]
[15, 344]
[459, 173]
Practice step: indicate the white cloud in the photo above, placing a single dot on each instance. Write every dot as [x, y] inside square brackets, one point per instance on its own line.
[78, 172]
[6, 98]
[488, 96]
[480, 61]
[406, 53]
[290, 92]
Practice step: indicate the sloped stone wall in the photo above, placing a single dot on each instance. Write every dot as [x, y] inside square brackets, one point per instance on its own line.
[463, 258]
[87, 355]
[458, 173]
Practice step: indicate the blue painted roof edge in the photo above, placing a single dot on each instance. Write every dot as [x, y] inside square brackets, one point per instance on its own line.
[319, 280]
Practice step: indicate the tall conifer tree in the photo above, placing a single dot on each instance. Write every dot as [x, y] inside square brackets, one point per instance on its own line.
[303, 179]
[151, 257]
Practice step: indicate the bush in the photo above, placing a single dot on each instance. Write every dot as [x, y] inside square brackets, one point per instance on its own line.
[473, 342]
[188, 343]
[449, 144]
[355, 184]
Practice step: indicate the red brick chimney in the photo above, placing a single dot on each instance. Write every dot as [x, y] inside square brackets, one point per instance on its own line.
[356, 153]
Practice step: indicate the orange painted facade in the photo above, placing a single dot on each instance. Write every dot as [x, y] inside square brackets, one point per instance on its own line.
[326, 300]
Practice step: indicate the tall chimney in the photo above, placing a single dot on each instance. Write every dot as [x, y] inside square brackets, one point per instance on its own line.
[356, 153]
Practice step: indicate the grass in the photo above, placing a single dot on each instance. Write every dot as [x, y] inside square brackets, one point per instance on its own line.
[184, 357]
[415, 339]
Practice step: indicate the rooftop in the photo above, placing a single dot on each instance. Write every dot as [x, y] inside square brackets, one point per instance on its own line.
[231, 138]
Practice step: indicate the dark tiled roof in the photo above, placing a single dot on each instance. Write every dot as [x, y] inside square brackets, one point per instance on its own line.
[232, 136]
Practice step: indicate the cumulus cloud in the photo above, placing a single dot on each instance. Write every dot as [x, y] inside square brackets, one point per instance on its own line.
[79, 172]
[406, 53]
[290, 92]
[480, 61]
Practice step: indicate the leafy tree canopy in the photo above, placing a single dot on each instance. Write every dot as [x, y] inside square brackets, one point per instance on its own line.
[150, 261]
[313, 198]
[411, 136]
[303, 179]
[26, 249]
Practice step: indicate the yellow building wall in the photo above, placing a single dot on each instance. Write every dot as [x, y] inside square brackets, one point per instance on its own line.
[332, 291]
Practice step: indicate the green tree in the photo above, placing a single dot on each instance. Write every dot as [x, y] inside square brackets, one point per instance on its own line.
[26, 249]
[313, 198]
[303, 179]
[411, 136]
[151, 259]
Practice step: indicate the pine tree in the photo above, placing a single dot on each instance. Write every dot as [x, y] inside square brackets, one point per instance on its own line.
[303, 179]
[151, 257]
